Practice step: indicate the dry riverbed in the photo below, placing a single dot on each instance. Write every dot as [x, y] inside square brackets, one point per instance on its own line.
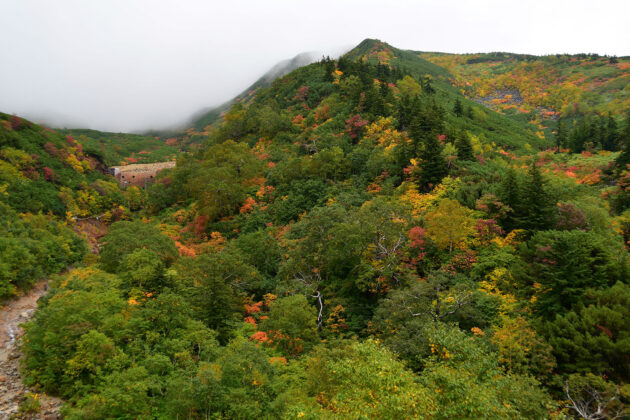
[12, 391]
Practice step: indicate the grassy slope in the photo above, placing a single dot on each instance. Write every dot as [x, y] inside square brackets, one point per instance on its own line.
[489, 125]
[116, 148]
[564, 85]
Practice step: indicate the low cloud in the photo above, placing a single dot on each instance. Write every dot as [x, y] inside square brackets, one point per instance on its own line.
[138, 64]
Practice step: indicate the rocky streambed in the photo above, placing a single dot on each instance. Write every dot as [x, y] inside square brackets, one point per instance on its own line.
[12, 390]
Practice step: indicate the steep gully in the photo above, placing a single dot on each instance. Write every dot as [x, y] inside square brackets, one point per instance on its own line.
[12, 390]
[17, 311]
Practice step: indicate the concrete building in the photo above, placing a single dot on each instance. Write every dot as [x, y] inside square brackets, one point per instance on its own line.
[139, 174]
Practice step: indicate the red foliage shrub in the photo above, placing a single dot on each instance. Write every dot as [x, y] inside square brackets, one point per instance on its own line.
[301, 94]
[254, 308]
[322, 113]
[571, 217]
[49, 174]
[354, 126]
[248, 205]
[461, 262]
[298, 120]
[417, 237]
[487, 229]
[51, 149]
[16, 122]
[259, 336]
[200, 224]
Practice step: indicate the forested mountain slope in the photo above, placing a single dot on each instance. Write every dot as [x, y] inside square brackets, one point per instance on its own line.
[47, 181]
[356, 240]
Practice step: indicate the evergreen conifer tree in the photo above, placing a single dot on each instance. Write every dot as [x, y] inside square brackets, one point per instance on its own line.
[612, 135]
[561, 135]
[408, 108]
[624, 138]
[537, 206]
[384, 90]
[464, 148]
[599, 128]
[329, 68]
[426, 85]
[434, 167]
[511, 196]
[458, 110]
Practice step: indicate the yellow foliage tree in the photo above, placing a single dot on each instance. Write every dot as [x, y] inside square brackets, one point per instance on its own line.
[450, 225]
[421, 203]
[520, 349]
[408, 86]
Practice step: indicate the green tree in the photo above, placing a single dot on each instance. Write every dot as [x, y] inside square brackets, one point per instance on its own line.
[464, 147]
[426, 84]
[434, 167]
[561, 135]
[329, 68]
[260, 250]
[362, 380]
[471, 383]
[126, 237]
[563, 264]
[405, 315]
[510, 193]
[292, 323]
[209, 282]
[592, 338]
[247, 382]
[218, 184]
[458, 109]
[78, 303]
[611, 140]
[537, 204]
[94, 350]
[143, 269]
[624, 138]
[122, 394]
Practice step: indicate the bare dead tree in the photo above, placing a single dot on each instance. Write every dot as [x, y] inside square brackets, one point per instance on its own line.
[429, 299]
[310, 283]
[595, 403]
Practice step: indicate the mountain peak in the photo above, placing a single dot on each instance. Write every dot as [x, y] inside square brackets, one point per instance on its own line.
[373, 50]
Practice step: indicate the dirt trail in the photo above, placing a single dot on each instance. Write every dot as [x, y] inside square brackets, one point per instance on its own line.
[13, 313]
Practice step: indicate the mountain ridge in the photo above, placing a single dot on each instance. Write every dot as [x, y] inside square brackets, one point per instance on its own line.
[209, 115]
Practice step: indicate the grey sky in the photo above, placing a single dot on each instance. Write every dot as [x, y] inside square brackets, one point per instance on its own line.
[124, 65]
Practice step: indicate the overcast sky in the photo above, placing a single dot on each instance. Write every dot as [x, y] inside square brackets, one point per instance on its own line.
[123, 65]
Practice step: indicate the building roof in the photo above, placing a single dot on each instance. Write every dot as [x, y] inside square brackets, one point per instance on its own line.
[145, 167]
